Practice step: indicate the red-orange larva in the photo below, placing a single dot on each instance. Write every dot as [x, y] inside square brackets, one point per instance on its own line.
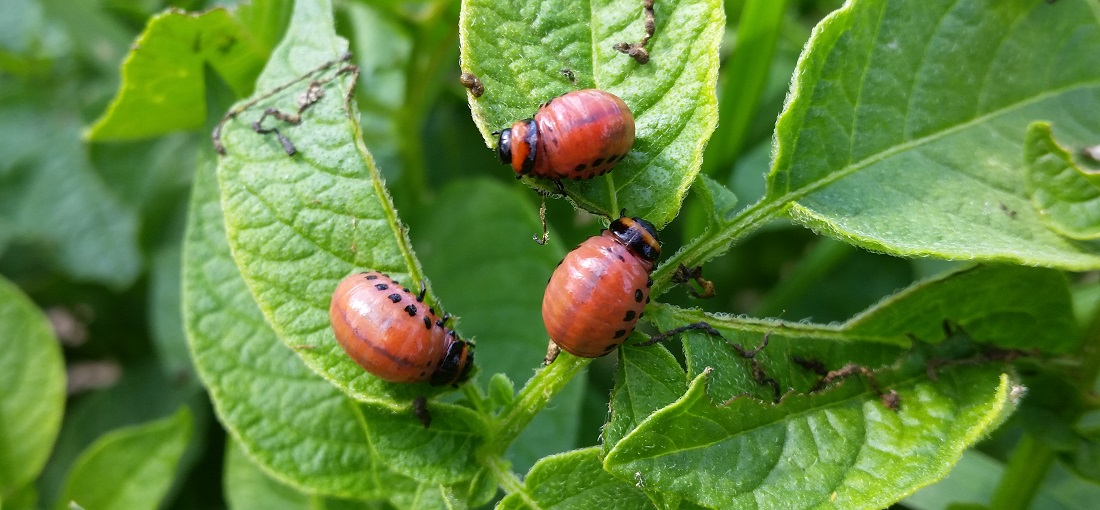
[392, 334]
[599, 291]
[575, 136]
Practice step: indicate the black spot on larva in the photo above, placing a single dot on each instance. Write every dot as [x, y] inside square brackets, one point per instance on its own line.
[381, 286]
[411, 310]
[647, 300]
[641, 315]
[638, 295]
[598, 162]
[610, 347]
[423, 373]
[620, 257]
[649, 283]
[428, 364]
[439, 323]
[395, 297]
[620, 333]
[427, 323]
[629, 316]
[580, 167]
[372, 277]
[407, 291]
[395, 282]
[431, 310]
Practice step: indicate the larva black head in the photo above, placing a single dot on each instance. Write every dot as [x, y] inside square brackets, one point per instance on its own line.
[456, 364]
[504, 146]
[517, 146]
[638, 235]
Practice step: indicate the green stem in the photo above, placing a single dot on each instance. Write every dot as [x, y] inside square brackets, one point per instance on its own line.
[716, 240]
[1023, 475]
[508, 480]
[546, 383]
[1032, 458]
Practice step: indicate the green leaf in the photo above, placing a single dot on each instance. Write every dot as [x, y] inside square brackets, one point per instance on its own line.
[1007, 307]
[1012, 307]
[265, 20]
[931, 425]
[906, 124]
[52, 197]
[502, 391]
[807, 452]
[33, 377]
[1066, 196]
[99, 412]
[129, 468]
[647, 379]
[163, 87]
[718, 201]
[249, 374]
[672, 97]
[428, 495]
[246, 486]
[299, 224]
[479, 269]
[574, 479]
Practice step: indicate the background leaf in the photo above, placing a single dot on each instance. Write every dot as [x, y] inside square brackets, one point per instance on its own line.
[672, 97]
[905, 128]
[53, 200]
[32, 371]
[129, 468]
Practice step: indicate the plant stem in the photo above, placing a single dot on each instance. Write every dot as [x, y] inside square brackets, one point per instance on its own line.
[716, 240]
[1023, 475]
[1032, 458]
[534, 396]
[508, 480]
